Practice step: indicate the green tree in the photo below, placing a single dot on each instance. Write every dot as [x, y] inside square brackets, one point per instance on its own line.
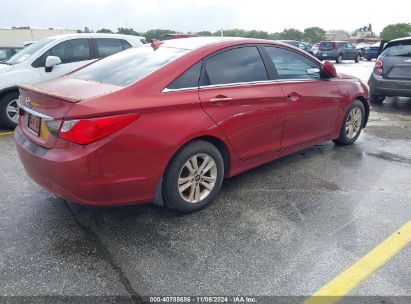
[273, 36]
[127, 31]
[204, 33]
[394, 31]
[157, 33]
[290, 34]
[104, 30]
[313, 34]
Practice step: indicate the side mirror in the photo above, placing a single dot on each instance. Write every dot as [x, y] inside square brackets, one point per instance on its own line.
[329, 69]
[51, 62]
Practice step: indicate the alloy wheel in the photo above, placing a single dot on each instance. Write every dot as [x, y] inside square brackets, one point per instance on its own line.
[12, 111]
[353, 123]
[197, 178]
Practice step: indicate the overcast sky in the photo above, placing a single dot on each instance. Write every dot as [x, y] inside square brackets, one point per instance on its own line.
[198, 15]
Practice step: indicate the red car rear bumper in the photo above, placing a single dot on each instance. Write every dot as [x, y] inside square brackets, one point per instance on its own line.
[92, 174]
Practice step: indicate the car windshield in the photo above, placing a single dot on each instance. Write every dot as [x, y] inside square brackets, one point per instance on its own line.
[403, 50]
[129, 66]
[28, 51]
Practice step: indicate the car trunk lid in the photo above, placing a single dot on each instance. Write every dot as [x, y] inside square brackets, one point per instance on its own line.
[44, 105]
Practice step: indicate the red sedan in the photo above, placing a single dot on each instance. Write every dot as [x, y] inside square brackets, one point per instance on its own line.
[167, 123]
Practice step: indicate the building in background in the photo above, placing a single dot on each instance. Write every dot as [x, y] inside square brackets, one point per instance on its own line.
[16, 37]
[337, 36]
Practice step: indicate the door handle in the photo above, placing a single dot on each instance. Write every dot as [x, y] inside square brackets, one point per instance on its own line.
[294, 96]
[221, 99]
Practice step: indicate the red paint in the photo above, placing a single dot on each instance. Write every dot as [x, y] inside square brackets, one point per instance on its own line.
[256, 122]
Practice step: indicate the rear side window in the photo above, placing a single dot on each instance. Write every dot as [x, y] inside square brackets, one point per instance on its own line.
[126, 67]
[237, 65]
[189, 79]
[108, 46]
[291, 65]
[400, 50]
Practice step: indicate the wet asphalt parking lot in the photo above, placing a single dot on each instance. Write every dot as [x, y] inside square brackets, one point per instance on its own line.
[286, 228]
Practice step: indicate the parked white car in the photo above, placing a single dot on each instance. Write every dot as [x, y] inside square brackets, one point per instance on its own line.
[50, 58]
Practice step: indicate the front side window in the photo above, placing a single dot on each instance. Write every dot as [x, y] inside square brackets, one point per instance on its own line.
[108, 46]
[71, 50]
[291, 65]
[68, 51]
[243, 64]
[126, 67]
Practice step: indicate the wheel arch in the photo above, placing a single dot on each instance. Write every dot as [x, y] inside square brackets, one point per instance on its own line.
[217, 142]
[8, 90]
[366, 107]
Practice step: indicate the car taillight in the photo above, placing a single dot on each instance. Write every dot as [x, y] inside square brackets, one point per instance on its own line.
[334, 46]
[378, 67]
[85, 131]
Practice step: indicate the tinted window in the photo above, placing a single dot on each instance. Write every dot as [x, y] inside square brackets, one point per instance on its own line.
[189, 79]
[242, 64]
[126, 45]
[71, 51]
[291, 65]
[129, 66]
[327, 46]
[108, 46]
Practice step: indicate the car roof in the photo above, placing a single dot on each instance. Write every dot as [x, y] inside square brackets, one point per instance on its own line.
[401, 39]
[91, 35]
[198, 42]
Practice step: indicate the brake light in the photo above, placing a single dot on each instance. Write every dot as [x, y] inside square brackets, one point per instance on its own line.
[86, 131]
[378, 67]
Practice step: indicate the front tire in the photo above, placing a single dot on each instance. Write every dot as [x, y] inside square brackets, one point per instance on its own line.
[9, 111]
[358, 59]
[376, 99]
[193, 177]
[352, 123]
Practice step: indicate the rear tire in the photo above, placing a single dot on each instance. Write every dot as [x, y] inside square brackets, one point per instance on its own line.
[193, 177]
[9, 112]
[352, 123]
[376, 99]
[339, 59]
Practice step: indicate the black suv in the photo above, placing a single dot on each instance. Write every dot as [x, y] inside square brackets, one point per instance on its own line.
[338, 51]
[392, 71]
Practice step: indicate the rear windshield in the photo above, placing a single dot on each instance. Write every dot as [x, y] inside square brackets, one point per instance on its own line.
[126, 67]
[402, 50]
[327, 46]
